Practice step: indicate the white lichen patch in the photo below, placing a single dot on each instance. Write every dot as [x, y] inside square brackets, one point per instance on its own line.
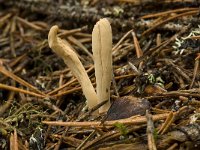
[179, 42]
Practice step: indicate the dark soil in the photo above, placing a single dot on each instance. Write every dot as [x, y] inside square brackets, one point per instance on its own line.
[163, 81]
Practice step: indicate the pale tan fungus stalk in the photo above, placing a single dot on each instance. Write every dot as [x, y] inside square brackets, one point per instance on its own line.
[71, 60]
[102, 54]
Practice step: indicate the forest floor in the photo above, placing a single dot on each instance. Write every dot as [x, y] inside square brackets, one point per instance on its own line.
[155, 90]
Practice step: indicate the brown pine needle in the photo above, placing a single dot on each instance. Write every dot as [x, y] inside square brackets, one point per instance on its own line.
[142, 2]
[19, 80]
[89, 124]
[121, 40]
[79, 88]
[17, 59]
[167, 123]
[167, 12]
[61, 87]
[13, 141]
[29, 24]
[150, 132]
[67, 92]
[68, 83]
[79, 44]
[169, 19]
[65, 33]
[195, 71]
[195, 37]
[11, 88]
[139, 51]
[8, 103]
[4, 18]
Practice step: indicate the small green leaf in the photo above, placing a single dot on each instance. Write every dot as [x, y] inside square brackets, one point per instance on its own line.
[121, 128]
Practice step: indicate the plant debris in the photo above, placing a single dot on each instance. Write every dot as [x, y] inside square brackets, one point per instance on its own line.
[155, 89]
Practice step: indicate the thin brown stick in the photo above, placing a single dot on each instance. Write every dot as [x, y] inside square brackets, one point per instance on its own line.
[132, 121]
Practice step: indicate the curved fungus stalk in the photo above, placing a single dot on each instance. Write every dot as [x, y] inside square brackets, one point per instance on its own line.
[102, 54]
[72, 61]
